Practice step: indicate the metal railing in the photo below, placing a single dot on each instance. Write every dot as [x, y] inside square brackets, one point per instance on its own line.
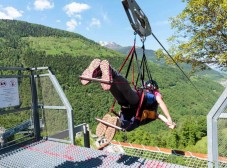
[35, 96]
[217, 132]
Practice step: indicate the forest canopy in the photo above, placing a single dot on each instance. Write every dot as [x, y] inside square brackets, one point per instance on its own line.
[200, 34]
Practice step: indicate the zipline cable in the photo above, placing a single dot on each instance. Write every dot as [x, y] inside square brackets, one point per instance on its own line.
[141, 25]
[177, 64]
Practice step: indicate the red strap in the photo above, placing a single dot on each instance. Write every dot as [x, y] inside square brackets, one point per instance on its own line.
[133, 75]
[139, 107]
[129, 54]
[112, 108]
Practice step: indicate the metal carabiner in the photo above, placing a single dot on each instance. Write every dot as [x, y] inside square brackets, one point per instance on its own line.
[137, 18]
[143, 39]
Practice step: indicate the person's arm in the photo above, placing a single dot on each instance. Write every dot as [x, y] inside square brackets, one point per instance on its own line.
[165, 110]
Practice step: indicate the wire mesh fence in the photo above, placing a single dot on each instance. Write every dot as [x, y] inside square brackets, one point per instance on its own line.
[222, 141]
[53, 114]
[174, 159]
[222, 137]
[15, 106]
[164, 156]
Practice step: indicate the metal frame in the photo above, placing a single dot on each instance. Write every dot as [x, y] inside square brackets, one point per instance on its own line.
[66, 104]
[35, 106]
[79, 128]
[212, 134]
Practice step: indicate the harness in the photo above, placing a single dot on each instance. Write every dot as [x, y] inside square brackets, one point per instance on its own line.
[141, 114]
[141, 26]
[146, 111]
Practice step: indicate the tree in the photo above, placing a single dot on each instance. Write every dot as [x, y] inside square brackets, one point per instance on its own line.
[201, 33]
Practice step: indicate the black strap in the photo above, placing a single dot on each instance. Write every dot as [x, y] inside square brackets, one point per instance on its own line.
[130, 63]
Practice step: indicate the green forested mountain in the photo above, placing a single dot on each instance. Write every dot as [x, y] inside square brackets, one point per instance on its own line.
[149, 53]
[68, 54]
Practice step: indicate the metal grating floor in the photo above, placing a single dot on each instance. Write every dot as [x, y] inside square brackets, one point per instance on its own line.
[50, 154]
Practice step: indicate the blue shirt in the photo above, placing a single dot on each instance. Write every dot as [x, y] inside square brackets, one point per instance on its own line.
[150, 98]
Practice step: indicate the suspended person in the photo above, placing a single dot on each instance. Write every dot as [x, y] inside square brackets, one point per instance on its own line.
[128, 98]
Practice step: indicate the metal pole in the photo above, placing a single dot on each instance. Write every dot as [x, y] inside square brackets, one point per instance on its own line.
[86, 136]
[212, 143]
[35, 108]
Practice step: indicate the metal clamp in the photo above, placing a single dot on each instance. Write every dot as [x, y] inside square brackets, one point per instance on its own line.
[137, 18]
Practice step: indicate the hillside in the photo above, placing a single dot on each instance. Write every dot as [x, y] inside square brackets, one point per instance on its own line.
[68, 54]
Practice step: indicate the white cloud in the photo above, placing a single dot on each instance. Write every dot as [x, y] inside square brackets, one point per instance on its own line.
[74, 8]
[78, 16]
[4, 16]
[95, 22]
[72, 24]
[10, 13]
[58, 21]
[43, 4]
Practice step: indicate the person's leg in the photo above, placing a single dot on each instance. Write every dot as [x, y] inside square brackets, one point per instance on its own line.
[119, 87]
[118, 95]
[92, 71]
[106, 74]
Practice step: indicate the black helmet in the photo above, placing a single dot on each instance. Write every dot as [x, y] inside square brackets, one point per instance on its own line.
[151, 84]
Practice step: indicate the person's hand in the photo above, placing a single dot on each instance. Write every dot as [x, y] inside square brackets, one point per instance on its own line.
[171, 125]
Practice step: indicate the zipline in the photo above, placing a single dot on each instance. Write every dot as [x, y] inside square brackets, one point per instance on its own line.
[177, 65]
[141, 26]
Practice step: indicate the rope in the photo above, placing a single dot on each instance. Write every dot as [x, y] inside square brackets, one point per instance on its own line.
[178, 65]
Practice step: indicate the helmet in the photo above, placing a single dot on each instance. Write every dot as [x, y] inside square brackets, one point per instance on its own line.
[151, 84]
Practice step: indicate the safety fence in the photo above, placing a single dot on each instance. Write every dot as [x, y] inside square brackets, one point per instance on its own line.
[162, 157]
[217, 132]
[33, 105]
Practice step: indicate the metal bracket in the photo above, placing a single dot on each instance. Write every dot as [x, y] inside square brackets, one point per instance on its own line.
[137, 18]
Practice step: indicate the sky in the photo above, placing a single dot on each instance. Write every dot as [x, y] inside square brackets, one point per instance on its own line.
[98, 20]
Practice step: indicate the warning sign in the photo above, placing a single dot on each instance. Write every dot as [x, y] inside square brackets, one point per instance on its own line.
[9, 94]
